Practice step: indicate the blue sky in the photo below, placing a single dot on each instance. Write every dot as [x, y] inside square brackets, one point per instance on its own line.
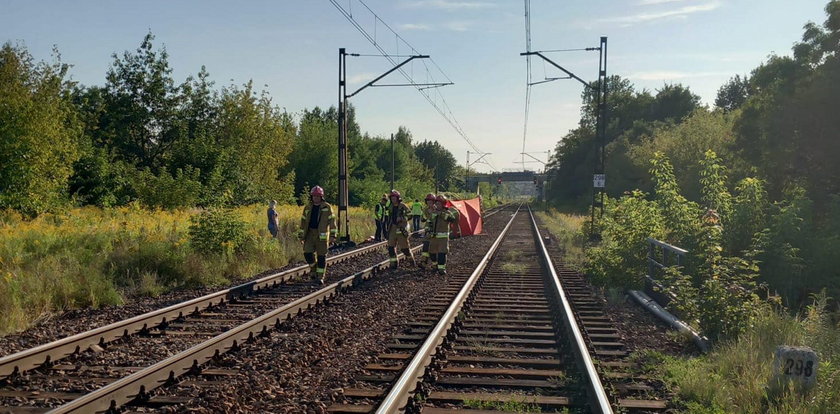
[290, 48]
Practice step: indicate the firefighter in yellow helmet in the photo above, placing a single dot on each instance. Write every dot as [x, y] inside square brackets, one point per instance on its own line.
[442, 215]
[398, 229]
[317, 227]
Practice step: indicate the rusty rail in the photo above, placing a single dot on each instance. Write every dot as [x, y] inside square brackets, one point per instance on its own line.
[142, 382]
[62, 348]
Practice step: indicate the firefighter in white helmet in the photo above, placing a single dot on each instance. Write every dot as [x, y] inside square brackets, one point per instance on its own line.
[317, 227]
[398, 230]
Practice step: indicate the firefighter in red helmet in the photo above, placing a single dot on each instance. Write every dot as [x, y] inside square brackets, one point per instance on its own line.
[398, 229]
[317, 227]
[443, 214]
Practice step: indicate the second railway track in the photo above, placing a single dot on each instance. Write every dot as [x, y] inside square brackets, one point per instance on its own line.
[129, 358]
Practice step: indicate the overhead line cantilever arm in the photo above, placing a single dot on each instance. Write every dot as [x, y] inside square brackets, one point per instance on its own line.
[572, 75]
[535, 158]
[479, 158]
[388, 73]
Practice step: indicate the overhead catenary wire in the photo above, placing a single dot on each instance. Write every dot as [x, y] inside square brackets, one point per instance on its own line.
[432, 95]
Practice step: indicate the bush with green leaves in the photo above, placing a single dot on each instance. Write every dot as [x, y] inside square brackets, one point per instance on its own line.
[217, 230]
[620, 259]
[716, 289]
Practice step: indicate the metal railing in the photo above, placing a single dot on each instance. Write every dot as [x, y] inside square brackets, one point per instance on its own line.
[660, 256]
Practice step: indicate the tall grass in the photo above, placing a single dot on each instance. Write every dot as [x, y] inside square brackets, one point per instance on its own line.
[735, 377]
[91, 257]
[568, 234]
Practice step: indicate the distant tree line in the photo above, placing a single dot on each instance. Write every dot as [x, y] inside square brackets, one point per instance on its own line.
[143, 138]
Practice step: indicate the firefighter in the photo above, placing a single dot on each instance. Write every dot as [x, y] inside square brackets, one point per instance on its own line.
[317, 227]
[427, 216]
[443, 215]
[379, 215]
[398, 230]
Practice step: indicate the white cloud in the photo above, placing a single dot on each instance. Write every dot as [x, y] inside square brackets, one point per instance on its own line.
[448, 4]
[651, 2]
[414, 26]
[361, 78]
[456, 26]
[680, 13]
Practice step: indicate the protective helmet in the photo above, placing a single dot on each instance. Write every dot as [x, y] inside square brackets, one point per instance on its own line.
[430, 197]
[317, 191]
[395, 193]
[441, 198]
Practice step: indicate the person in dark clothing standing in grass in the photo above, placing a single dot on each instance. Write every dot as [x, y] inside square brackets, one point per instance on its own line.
[273, 219]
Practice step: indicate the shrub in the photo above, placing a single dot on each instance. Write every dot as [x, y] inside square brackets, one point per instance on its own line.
[217, 230]
[620, 259]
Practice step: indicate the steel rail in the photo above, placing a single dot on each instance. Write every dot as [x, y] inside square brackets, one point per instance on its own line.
[599, 401]
[53, 351]
[50, 352]
[140, 383]
[400, 393]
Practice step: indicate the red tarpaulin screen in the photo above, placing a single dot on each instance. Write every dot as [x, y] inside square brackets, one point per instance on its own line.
[470, 216]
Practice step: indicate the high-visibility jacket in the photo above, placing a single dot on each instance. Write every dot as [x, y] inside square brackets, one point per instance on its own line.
[326, 220]
[379, 211]
[416, 209]
[440, 221]
[388, 208]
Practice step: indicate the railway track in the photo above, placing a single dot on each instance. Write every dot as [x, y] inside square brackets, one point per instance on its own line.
[503, 338]
[106, 367]
[629, 390]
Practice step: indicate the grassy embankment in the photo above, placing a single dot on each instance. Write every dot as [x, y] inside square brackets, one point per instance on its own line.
[90, 257]
[735, 376]
[566, 232]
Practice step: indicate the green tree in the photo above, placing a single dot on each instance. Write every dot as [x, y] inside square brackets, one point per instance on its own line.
[439, 161]
[631, 116]
[255, 139]
[39, 132]
[788, 128]
[733, 93]
[141, 121]
[315, 153]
